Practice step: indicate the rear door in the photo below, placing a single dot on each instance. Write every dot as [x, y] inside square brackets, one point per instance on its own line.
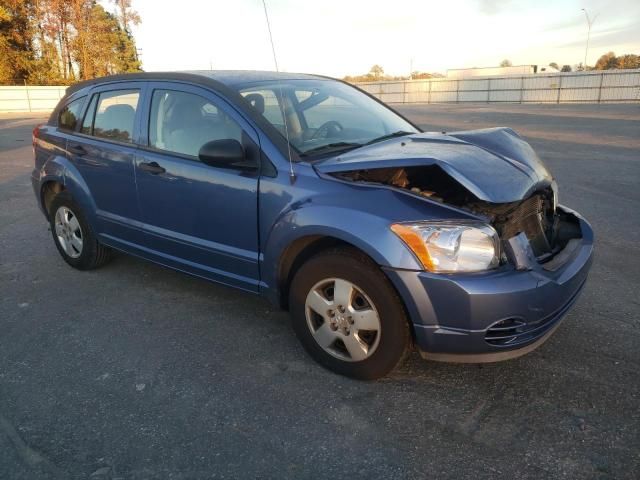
[103, 150]
[197, 218]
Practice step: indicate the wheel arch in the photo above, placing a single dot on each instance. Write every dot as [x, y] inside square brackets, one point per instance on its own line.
[58, 175]
[304, 248]
[296, 254]
[48, 190]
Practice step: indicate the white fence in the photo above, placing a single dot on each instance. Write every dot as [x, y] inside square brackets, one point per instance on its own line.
[30, 98]
[611, 86]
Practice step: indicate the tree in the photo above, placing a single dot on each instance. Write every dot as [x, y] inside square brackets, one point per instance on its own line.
[377, 72]
[629, 61]
[566, 68]
[421, 75]
[607, 61]
[554, 65]
[101, 45]
[16, 46]
[506, 63]
[128, 16]
[59, 41]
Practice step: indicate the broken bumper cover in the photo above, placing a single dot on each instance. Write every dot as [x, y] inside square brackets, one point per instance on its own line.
[493, 316]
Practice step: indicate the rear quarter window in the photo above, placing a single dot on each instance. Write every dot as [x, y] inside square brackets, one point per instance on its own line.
[70, 115]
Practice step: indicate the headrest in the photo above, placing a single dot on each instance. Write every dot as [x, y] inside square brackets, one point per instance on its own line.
[256, 100]
[121, 109]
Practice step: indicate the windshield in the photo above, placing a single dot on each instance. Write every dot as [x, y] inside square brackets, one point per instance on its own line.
[324, 116]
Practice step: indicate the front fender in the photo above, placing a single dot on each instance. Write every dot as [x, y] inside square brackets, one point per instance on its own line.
[368, 232]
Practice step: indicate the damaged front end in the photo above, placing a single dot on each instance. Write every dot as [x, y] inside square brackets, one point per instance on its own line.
[492, 173]
[547, 229]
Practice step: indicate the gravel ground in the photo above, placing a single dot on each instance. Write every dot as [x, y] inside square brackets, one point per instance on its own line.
[135, 371]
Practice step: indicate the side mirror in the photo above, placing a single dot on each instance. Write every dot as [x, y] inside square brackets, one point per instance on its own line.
[226, 153]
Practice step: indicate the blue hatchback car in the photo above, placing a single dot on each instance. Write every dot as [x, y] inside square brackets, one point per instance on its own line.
[376, 236]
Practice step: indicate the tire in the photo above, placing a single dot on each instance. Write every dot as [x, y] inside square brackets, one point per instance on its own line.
[64, 216]
[351, 345]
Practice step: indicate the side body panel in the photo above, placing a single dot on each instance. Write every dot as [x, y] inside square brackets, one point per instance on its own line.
[201, 218]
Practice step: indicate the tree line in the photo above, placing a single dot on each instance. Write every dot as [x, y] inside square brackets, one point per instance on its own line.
[607, 61]
[376, 74]
[51, 42]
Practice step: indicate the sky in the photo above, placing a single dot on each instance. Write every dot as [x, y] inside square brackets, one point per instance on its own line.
[347, 37]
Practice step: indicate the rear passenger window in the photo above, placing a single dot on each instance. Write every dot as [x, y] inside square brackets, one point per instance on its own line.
[183, 122]
[114, 115]
[69, 115]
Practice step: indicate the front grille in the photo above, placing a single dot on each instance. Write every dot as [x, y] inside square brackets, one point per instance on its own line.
[530, 218]
[525, 218]
[534, 217]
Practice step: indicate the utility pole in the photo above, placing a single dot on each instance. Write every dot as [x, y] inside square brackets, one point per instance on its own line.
[589, 23]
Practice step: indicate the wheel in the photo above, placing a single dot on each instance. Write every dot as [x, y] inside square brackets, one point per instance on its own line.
[73, 236]
[348, 316]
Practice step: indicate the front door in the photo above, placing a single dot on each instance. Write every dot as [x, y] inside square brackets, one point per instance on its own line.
[196, 217]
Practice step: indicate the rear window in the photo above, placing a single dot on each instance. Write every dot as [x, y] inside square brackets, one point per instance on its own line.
[69, 115]
[111, 115]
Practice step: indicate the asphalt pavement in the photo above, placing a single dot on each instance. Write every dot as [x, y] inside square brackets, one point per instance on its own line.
[134, 371]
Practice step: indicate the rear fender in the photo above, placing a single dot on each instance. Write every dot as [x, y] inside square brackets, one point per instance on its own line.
[60, 169]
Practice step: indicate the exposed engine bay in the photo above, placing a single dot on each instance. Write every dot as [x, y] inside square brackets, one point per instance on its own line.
[547, 229]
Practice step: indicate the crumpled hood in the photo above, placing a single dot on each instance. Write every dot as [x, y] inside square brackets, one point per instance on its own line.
[494, 164]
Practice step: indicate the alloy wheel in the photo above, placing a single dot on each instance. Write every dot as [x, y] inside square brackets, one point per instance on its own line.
[68, 232]
[342, 319]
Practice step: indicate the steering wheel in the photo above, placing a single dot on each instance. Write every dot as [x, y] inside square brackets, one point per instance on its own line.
[327, 130]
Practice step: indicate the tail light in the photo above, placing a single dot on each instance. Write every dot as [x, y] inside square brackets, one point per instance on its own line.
[35, 135]
[36, 132]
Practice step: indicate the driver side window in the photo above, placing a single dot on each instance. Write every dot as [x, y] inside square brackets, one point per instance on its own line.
[183, 122]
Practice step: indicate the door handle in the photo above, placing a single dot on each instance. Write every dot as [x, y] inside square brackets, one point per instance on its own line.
[77, 150]
[152, 167]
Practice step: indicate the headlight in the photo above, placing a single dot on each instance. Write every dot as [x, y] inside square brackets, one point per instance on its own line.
[446, 247]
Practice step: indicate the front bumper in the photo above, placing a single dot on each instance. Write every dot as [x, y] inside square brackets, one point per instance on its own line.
[496, 315]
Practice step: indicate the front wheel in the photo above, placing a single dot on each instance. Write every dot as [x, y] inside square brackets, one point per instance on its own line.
[348, 316]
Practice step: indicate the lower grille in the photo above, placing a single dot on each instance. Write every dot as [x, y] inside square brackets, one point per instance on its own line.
[505, 331]
[515, 331]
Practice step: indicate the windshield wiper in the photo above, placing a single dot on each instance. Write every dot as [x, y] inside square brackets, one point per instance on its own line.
[399, 133]
[330, 147]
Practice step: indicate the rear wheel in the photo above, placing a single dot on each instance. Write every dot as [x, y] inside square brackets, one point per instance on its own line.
[348, 316]
[73, 236]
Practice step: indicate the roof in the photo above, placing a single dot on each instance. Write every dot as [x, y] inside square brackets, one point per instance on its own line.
[237, 77]
[227, 78]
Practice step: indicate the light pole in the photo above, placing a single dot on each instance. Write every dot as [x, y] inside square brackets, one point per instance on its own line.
[589, 23]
